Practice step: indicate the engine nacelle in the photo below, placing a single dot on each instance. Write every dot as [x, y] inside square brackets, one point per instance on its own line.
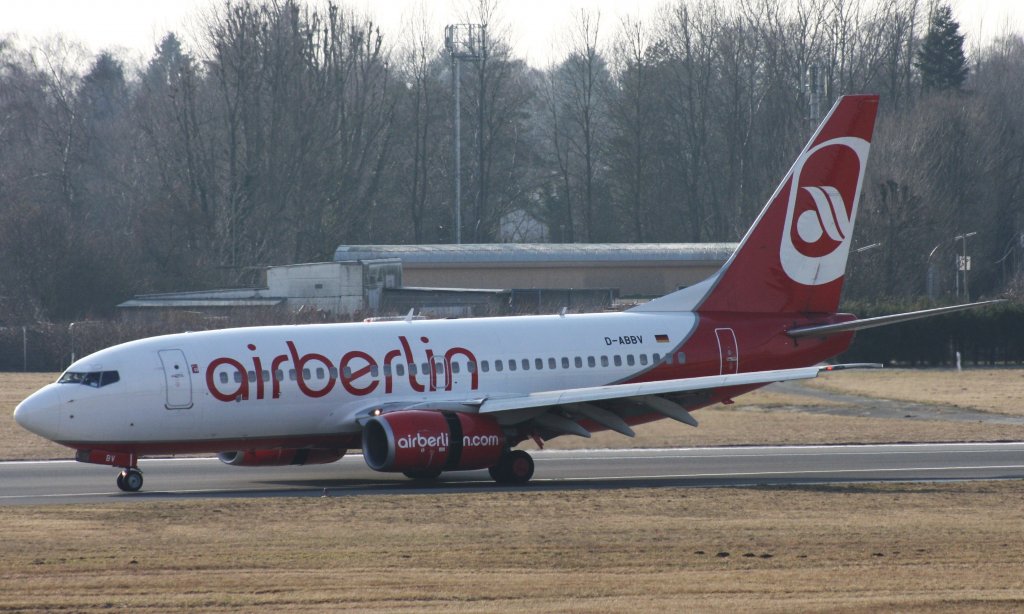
[427, 440]
[280, 456]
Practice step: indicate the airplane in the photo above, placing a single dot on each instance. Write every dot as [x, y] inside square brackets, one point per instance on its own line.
[422, 397]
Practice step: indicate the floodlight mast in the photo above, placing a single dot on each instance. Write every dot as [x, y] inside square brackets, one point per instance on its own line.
[463, 42]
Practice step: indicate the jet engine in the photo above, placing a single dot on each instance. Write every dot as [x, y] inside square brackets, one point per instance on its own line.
[425, 442]
[280, 456]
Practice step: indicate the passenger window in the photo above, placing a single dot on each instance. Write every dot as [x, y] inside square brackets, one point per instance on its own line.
[320, 373]
[629, 360]
[578, 361]
[265, 375]
[400, 370]
[643, 359]
[655, 358]
[538, 363]
[412, 368]
[455, 367]
[604, 361]
[668, 359]
[498, 366]
[252, 377]
[426, 368]
[553, 365]
[387, 370]
[333, 372]
[617, 360]
[471, 367]
[291, 374]
[485, 366]
[223, 377]
[374, 370]
[512, 365]
[347, 372]
[681, 358]
[306, 375]
[591, 362]
[439, 368]
[279, 375]
[238, 377]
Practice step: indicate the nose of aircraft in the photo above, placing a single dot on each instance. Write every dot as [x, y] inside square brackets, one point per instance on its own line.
[40, 413]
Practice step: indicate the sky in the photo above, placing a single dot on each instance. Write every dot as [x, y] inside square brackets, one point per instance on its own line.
[134, 27]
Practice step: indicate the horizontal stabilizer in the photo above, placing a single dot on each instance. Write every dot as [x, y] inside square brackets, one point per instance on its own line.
[855, 325]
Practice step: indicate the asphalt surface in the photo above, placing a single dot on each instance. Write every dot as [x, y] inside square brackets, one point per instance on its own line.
[63, 482]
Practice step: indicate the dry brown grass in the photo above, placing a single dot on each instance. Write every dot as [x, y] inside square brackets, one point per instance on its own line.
[755, 419]
[993, 390]
[864, 548]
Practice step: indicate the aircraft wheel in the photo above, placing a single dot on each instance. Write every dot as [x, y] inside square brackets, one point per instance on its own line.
[516, 467]
[130, 480]
[426, 475]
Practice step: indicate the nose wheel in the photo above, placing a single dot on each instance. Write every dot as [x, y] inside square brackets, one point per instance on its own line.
[129, 480]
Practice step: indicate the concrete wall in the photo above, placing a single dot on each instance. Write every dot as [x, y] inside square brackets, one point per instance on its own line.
[631, 279]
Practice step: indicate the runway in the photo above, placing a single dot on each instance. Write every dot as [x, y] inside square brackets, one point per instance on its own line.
[62, 482]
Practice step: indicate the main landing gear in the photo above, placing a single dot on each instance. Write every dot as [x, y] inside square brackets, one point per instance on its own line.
[515, 467]
[130, 480]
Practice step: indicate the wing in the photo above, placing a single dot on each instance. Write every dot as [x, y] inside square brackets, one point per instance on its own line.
[561, 412]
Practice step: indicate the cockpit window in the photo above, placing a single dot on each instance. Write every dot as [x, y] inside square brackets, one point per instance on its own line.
[96, 379]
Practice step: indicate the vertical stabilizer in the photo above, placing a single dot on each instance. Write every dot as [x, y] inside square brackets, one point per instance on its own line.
[793, 259]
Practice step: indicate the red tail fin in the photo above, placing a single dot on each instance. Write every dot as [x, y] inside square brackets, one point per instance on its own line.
[793, 259]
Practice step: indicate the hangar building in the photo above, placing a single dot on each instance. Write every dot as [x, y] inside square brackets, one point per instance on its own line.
[633, 269]
[457, 280]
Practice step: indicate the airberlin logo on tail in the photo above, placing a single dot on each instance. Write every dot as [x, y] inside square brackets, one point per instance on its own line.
[823, 194]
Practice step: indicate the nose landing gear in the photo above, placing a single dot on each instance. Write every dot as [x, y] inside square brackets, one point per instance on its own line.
[130, 480]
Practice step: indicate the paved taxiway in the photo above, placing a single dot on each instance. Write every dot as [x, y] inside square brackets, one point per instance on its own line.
[52, 482]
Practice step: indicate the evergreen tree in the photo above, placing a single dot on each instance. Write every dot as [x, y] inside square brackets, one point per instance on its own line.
[941, 58]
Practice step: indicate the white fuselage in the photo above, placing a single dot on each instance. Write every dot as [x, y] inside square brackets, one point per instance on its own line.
[292, 381]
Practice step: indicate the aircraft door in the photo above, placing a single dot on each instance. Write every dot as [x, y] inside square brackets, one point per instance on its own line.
[178, 379]
[729, 353]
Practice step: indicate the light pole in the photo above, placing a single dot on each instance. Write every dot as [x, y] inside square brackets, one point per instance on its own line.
[964, 264]
[463, 41]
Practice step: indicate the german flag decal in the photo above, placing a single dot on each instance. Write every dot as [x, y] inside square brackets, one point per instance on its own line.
[661, 338]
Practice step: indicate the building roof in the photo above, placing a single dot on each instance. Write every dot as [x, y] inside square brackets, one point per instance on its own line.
[520, 253]
[243, 297]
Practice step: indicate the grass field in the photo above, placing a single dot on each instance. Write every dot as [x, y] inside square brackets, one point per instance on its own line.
[992, 390]
[854, 548]
[755, 418]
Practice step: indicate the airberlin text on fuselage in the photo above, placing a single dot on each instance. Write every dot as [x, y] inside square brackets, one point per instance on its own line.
[359, 373]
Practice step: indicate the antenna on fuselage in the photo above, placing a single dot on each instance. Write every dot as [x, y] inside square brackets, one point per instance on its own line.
[408, 316]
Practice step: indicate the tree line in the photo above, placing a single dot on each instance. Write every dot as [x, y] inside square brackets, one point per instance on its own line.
[291, 129]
